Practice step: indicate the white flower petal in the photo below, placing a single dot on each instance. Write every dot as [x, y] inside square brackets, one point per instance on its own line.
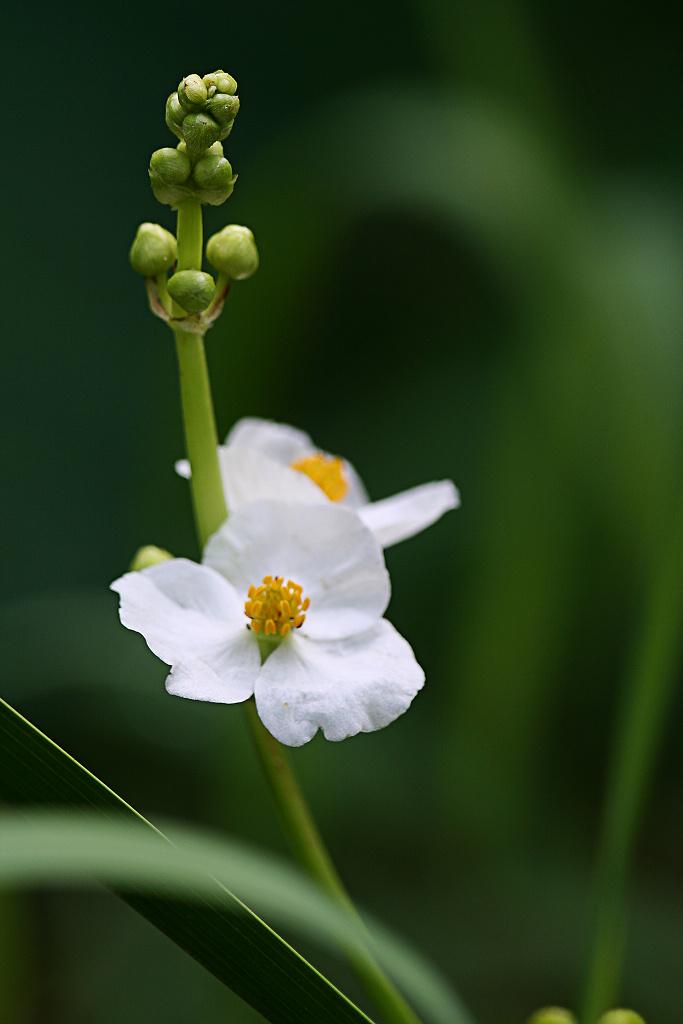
[278, 441]
[248, 475]
[285, 444]
[405, 514]
[225, 675]
[342, 687]
[324, 548]
[182, 468]
[356, 495]
[194, 620]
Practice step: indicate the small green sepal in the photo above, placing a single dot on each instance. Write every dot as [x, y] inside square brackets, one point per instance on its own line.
[153, 250]
[621, 1017]
[192, 289]
[233, 252]
[149, 555]
[552, 1015]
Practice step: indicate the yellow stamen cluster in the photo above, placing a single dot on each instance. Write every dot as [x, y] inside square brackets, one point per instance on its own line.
[275, 606]
[327, 471]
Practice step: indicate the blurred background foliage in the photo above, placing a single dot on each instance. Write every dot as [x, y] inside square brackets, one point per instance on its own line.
[469, 218]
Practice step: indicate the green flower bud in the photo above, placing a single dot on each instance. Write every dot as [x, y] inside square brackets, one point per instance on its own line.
[552, 1015]
[199, 132]
[223, 108]
[169, 174]
[214, 177]
[149, 555]
[153, 250]
[220, 81]
[192, 289]
[175, 114]
[171, 165]
[233, 251]
[192, 94]
[621, 1017]
[226, 83]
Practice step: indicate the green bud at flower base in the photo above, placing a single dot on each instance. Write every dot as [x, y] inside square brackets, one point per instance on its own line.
[552, 1015]
[621, 1017]
[192, 289]
[149, 555]
[153, 251]
[233, 252]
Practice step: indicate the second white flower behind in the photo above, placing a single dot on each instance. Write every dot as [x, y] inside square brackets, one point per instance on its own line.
[263, 459]
[287, 605]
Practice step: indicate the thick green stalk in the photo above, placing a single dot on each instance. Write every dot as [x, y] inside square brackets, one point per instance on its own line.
[648, 693]
[308, 847]
[190, 235]
[201, 437]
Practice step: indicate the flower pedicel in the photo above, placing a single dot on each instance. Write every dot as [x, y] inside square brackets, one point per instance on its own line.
[262, 459]
[287, 606]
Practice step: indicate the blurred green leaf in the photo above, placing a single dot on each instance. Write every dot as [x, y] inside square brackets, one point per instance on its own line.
[197, 912]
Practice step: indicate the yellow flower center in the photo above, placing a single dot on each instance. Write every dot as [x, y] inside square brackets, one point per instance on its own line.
[327, 471]
[275, 606]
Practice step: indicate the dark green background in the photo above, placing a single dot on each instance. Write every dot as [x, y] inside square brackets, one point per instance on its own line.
[469, 222]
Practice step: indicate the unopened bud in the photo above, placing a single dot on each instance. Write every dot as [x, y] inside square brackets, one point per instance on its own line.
[149, 555]
[175, 114]
[223, 108]
[221, 81]
[621, 1017]
[233, 252]
[214, 177]
[171, 165]
[192, 289]
[153, 250]
[552, 1015]
[200, 131]
[192, 94]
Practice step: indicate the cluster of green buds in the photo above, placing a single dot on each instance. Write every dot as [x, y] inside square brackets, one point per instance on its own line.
[232, 252]
[202, 110]
[201, 113]
[175, 176]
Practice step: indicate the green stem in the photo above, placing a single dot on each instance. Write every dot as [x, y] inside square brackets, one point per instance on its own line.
[190, 235]
[201, 437]
[650, 685]
[307, 845]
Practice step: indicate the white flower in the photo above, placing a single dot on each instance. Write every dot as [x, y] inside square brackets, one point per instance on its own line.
[262, 459]
[286, 606]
